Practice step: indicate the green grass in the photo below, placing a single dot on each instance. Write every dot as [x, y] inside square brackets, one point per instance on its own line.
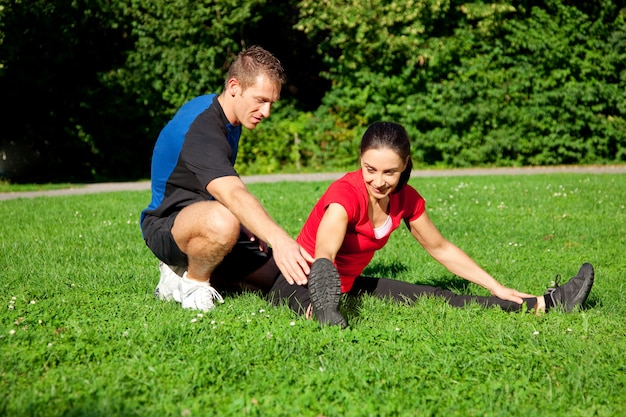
[82, 335]
[6, 186]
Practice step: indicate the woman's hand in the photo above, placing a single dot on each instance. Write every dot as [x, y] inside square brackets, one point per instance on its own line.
[509, 294]
[262, 245]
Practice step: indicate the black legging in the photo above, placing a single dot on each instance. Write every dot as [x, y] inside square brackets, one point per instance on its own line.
[298, 299]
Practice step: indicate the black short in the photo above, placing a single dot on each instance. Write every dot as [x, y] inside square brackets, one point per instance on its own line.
[245, 257]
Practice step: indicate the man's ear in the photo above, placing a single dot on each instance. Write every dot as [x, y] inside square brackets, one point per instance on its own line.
[233, 87]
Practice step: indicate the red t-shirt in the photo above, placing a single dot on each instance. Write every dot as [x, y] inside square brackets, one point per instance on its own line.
[359, 244]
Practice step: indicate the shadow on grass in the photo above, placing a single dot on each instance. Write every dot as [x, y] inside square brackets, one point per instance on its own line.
[352, 305]
[592, 302]
[393, 269]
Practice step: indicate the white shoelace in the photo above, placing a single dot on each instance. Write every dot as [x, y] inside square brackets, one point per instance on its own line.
[212, 292]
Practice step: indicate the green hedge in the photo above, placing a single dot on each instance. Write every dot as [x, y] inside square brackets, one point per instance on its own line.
[88, 84]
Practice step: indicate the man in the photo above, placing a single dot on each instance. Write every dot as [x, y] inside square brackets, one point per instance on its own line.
[202, 220]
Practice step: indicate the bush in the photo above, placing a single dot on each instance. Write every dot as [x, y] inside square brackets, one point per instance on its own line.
[509, 84]
[87, 85]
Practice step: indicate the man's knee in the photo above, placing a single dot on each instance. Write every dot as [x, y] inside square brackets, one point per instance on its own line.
[209, 220]
[222, 222]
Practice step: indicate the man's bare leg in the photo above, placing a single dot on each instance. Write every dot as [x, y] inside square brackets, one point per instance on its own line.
[206, 232]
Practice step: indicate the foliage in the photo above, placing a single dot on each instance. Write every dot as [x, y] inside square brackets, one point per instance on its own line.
[507, 84]
[544, 91]
[82, 334]
[88, 84]
[182, 48]
[298, 141]
[51, 54]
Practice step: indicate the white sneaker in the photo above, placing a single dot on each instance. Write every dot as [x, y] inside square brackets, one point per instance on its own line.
[197, 295]
[168, 288]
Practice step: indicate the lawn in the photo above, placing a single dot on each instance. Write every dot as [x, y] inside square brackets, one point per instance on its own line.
[82, 335]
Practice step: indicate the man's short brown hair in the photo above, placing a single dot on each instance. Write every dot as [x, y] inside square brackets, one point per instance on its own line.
[255, 61]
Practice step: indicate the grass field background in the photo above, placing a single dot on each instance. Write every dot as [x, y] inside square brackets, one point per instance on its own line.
[82, 335]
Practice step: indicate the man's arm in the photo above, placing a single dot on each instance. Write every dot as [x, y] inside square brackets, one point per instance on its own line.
[291, 258]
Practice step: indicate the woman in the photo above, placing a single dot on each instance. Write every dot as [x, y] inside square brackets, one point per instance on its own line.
[355, 217]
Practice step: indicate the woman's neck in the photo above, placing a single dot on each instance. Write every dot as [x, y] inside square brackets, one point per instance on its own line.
[378, 211]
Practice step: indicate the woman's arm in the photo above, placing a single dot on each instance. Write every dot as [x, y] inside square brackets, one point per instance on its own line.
[331, 232]
[457, 261]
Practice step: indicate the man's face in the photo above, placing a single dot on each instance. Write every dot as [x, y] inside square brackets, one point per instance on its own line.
[254, 103]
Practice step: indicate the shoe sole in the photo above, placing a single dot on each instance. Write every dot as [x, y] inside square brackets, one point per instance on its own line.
[587, 273]
[325, 292]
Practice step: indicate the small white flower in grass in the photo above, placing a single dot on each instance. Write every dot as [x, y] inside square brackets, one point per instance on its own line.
[200, 315]
[569, 330]
[535, 333]
[268, 335]
[293, 323]
[194, 320]
[50, 344]
[321, 369]
[212, 321]
[40, 321]
[261, 311]
[12, 331]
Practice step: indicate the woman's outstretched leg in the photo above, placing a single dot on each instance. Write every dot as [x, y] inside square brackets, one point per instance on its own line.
[408, 293]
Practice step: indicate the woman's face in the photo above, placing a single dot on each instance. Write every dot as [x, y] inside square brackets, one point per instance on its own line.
[381, 171]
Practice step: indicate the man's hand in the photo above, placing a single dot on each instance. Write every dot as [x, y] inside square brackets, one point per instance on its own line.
[292, 260]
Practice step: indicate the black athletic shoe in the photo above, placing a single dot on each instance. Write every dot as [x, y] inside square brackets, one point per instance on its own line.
[574, 292]
[325, 291]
